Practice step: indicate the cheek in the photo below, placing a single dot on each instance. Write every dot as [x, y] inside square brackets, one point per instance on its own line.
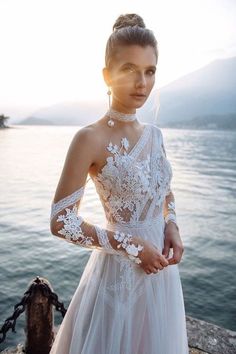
[124, 81]
[151, 81]
[120, 85]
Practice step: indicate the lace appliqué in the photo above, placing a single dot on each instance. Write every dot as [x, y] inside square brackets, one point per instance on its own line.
[63, 203]
[73, 232]
[163, 178]
[168, 186]
[71, 227]
[104, 241]
[130, 179]
[127, 287]
[171, 214]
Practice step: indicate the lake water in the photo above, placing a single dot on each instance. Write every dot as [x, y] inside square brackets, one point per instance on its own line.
[204, 167]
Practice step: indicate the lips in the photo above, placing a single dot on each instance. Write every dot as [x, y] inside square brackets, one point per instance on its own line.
[138, 95]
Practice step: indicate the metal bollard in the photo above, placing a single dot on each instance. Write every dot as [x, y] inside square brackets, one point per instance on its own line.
[39, 319]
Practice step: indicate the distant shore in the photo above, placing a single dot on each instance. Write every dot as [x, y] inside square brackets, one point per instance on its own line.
[19, 125]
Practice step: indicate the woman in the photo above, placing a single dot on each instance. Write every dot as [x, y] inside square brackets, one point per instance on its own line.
[129, 299]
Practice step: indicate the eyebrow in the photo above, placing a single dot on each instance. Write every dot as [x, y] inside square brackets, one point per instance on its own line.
[136, 66]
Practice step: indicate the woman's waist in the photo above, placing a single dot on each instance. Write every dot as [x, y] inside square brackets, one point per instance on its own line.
[158, 221]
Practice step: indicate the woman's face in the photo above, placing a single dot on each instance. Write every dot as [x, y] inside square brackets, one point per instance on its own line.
[132, 77]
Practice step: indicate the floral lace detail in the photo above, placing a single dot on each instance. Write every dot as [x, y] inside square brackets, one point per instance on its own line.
[127, 287]
[126, 277]
[163, 178]
[132, 186]
[71, 227]
[70, 199]
[104, 241]
[123, 181]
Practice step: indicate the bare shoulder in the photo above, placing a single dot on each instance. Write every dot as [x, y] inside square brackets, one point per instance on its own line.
[88, 139]
[89, 135]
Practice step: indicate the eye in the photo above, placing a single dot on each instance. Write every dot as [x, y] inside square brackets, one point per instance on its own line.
[129, 70]
[151, 72]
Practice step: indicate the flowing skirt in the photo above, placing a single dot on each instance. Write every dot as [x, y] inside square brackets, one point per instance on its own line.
[119, 309]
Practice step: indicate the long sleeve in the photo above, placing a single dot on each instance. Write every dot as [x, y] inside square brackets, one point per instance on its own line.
[168, 191]
[65, 220]
[73, 228]
[169, 210]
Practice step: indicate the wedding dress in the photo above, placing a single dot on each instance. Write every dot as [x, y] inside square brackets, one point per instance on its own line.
[117, 308]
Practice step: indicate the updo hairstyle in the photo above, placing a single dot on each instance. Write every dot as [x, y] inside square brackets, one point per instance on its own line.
[128, 29]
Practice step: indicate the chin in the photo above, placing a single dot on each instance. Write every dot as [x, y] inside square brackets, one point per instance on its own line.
[139, 105]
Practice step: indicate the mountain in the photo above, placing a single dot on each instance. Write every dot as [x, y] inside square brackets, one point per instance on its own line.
[211, 121]
[207, 92]
[35, 121]
[210, 90]
[68, 113]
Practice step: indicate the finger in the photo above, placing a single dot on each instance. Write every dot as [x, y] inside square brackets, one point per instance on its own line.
[177, 253]
[172, 261]
[166, 250]
[155, 270]
[164, 265]
[158, 266]
[175, 259]
[164, 261]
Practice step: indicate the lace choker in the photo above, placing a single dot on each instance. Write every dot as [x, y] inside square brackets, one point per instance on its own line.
[113, 114]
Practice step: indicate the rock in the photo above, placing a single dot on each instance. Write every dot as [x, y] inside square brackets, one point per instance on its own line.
[203, 338]
[210, 338]
[18, 350]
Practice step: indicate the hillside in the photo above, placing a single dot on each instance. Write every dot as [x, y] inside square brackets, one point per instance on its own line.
[203, 98]
[210, 90]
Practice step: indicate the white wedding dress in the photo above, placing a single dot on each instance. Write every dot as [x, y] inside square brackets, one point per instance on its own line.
[117, 308]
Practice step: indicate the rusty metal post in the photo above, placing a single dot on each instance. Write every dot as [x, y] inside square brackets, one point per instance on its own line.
[39, 319]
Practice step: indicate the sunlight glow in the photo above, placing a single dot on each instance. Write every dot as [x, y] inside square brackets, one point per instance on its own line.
[53, 51]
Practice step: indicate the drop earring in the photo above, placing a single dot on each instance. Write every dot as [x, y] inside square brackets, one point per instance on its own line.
[116, 115]
[111, 121]
[109, 97]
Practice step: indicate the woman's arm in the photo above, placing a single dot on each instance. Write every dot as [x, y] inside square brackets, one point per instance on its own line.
[65, 220]
[171, 231]
[172, 236]
[169, 211]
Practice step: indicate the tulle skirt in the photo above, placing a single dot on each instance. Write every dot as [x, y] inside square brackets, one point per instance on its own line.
[119, 309]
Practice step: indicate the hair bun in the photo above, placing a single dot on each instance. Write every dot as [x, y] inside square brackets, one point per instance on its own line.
[128, 20]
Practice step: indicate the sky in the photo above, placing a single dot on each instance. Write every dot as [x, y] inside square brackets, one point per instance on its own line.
[53, 51]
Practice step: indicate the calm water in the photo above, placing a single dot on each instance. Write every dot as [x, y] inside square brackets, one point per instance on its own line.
[204, 166]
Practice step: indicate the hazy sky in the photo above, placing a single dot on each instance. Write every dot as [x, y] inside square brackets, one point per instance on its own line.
[53, 51]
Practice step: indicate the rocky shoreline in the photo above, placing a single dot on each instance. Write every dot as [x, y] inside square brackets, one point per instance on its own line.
[203, 338]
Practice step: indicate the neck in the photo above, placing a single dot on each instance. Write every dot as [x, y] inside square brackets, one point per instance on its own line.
[117, 106]
[118, 115]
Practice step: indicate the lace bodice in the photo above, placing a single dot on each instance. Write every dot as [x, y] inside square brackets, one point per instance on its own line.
[132, 185]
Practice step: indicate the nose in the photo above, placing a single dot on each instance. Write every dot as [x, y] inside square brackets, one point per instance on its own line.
[141, 80]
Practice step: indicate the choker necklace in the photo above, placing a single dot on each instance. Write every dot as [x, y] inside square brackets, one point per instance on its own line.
[116, 115]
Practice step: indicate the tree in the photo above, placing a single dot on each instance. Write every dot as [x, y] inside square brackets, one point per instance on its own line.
[3, 120]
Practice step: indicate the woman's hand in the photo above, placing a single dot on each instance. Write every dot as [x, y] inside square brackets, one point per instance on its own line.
[151, 259]
[172, 240]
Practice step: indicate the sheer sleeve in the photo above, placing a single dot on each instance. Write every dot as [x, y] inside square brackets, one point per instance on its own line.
[164, 151]
[65, 219]
[169, 210]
